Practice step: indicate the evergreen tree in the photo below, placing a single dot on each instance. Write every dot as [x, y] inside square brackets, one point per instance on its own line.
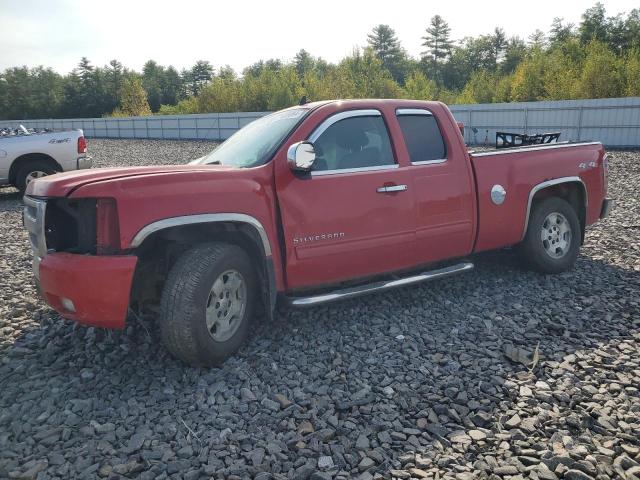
[537, 40]
[594, 25]
[385, 45]
[171, 86]
[437, 41]
[303, 62]
[499, 44]
[198, 76]
[113, 78]
[152, 78]
[514, 53]
[560, 32]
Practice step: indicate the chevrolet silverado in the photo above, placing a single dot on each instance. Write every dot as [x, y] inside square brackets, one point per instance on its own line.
[308, 205]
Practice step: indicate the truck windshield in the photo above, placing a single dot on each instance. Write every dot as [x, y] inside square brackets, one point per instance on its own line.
[256, 143]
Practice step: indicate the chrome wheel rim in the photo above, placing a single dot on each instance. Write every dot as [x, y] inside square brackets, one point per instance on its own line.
[34, 175]
[226, 305]
[556, 235]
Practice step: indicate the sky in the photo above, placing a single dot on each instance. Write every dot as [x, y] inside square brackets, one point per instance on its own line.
[57, 33]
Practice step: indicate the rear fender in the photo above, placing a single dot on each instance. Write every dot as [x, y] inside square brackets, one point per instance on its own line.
[555, 188]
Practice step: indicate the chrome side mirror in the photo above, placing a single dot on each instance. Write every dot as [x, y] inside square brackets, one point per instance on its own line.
[301, 156]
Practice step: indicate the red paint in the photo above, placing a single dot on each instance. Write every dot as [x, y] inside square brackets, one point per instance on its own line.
[99, 286]
[446, 211]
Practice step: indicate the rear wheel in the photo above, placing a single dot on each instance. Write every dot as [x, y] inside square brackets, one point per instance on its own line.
[552, 241]
[207, 304]
[30, 171]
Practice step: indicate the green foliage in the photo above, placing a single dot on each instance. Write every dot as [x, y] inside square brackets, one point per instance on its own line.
[133, 99]
[601, 73]
[600, 57]
[419, 87]
[481, 88]
[632, 73]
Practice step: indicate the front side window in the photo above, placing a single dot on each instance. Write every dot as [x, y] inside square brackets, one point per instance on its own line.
[422, 137]
[354, 142]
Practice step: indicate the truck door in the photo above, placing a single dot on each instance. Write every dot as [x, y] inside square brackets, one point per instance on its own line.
[353, 215]
[442, 188]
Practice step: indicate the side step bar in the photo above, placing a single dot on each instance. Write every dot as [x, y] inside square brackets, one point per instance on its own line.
[352, 292]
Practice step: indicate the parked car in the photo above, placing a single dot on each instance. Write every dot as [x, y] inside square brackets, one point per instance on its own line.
[308, 205]
[25, 155]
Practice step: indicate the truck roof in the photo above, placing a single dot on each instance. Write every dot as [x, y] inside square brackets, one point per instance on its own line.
[350, 103]
[373, 102]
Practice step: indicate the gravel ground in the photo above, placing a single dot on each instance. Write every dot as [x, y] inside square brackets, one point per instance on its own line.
[427, 382]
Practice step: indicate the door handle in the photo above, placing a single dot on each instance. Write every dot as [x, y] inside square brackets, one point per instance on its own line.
[392, 188]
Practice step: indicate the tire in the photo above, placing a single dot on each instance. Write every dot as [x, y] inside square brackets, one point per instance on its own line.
[188, 300]
[37, 167]
[558, 249]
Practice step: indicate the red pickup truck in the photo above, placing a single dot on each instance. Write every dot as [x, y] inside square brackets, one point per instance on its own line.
[312, 204]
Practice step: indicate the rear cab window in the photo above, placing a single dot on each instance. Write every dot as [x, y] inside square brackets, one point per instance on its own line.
[422, 136]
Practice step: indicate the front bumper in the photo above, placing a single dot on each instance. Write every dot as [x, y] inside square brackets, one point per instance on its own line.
[85, 162]
[607, 205]
[92, 290]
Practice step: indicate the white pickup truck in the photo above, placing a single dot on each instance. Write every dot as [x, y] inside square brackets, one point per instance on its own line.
[26, 155]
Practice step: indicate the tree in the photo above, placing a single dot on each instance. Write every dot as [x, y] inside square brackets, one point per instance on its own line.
[632, 73]
[437, 40]
[560, 75]
[134, 99]
[385, 45]
[537, 40]
[152, 75]
[171, 85]
[528, 79]
[601, 74]
[499, 44]
[560, 32]
[514, 53]
[420, 87]
[197, 76]
[480, 88]
[303, 62]
[87, 88]
[593, 25]
[632, 24]
[113, 78]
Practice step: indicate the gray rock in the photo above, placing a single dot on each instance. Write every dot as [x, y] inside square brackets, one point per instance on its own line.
[270, 404]
[325, 462]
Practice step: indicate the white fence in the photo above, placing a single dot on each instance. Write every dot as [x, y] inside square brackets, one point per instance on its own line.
[613, 121]
[204, 126]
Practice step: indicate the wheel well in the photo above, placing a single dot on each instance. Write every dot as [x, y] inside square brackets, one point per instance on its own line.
[572, 192]
[158, 253]
[31, 157]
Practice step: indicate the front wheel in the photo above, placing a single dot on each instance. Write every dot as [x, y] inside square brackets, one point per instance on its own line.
[552, 241]
[207, 304]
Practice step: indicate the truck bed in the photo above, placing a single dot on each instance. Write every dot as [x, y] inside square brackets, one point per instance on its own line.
[519, 170]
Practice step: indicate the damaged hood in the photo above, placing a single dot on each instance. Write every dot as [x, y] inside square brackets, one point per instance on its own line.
[63, 184]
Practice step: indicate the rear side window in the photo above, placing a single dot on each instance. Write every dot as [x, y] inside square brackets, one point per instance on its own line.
[422, 137]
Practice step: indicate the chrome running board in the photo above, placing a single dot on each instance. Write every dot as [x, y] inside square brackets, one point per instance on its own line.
[353, 292]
